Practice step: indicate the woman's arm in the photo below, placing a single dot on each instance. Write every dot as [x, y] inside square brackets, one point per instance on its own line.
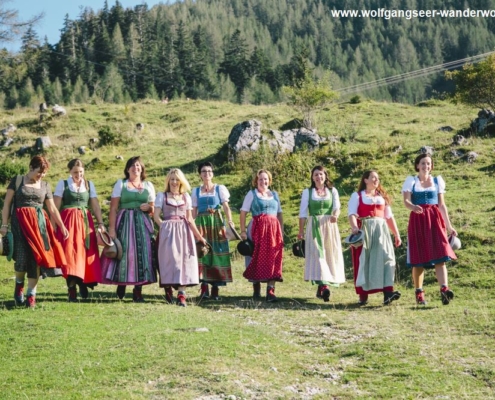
[392, 225]
[156, 216]
[6, 211]
[192, 225]
[442, 207]
[281, 221]
[353, 223]
[55, 216]
[409, 205]
[95, 206]
[302, 222]
[194, 212]
[228, 213]
[112, 216]
[242, 224]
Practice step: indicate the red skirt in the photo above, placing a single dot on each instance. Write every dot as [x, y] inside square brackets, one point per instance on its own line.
[266, 262]
[81, 262]
[427, 242]
[28, 221]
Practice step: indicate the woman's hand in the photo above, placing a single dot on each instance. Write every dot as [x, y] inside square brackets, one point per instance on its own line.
[333, 219]
[231, 223]
[65, 232]
[355, 230]
[101, 228]
[397, 241]
[3, 231]
[111, 233]
[300, 235]
[203, 240]
[453, 232]
[145, 207]
[243, 235]
[417, 209]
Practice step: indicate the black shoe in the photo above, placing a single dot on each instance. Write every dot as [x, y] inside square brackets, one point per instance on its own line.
[318, 292]
[72, 294]
[256, 291]
[83, 291]
[270, 294]
[447, 295]
[388, 297]
[121, 291]
[325, 294]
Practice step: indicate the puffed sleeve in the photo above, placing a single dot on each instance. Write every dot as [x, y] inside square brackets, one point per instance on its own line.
[408, 184]
[92, 190]
[224, 194]
[151, 192]
[248, 200]
[441, 184]
[12, 183]
[353, 204]
[117, 189]
[388, 212]
[303, 207]
[188, 201]
[159, 200]
[194, 197]
[335, 200]
[59, 189]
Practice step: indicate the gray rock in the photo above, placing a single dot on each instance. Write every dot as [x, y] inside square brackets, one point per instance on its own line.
[456, 153]
[119, 158]
[42, 143]
[81, 150]
[471, 157]
[139, 126]
[245, 136]
[282, 141]
[59, 111]
[426, 150]
[8, 142]
[23, 150]
[308, 137]
[8, 130]
[446, 128]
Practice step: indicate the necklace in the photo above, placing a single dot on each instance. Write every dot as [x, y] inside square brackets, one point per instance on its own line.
[321, 192]
[263, 194]
[139, 187]
[207, 189]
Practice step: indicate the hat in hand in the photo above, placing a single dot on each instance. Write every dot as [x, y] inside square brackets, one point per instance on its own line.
[454, 242]
[245, 248]
[298, 248]
[114, 250]
[355, 240]
[7, 245]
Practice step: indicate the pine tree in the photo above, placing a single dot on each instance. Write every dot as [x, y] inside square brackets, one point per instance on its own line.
[27, 95]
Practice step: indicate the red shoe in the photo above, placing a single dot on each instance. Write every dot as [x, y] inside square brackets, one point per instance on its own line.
[205, 293]
[270, 294]
[214, 293]
[420, 297]
[31, 301]
[325, 293]
[318, 292]
[256, 291]
[169, 295]
[137, 295]
[19, 293]
[447, 295]
[72, 294]
[181, 299]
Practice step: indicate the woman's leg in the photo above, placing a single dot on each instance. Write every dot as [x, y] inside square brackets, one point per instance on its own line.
[181, 297]
[19, 287]
[442, 277]
[270, 292]
[31, 292]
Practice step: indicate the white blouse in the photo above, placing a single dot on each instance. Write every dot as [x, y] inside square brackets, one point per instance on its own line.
[160, 197]
[354, 203]
[59, 189]
[248, 200]
[414, 181]
[304, 207]
[222, 191]
[117, 190]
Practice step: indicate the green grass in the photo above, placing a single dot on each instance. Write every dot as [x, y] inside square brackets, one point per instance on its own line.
[299, 348]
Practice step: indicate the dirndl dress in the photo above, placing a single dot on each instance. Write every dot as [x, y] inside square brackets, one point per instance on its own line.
[177, 257]
[374, 261]
[266, 263]
[214, 268]
[81, 248]
[427, 242]
[135, 232]
[35, 243]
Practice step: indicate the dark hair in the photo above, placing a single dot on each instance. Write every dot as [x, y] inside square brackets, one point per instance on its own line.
[418, 160]
[75, 162]
[204, 164]
[328, 183]
[130, 162]
[380, 190]
[39, 162]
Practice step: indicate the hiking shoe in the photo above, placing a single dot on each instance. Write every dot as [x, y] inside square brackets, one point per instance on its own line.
[256, 291]
[325, 293]
[31, 301]
[214, 293]
[205, 292]
[181, 299]
[72, 294]
[121, 291]
[169, 295]
[19, 293]
[388, 297]
[420, 297]
[83, 291]
[318, 292]
[137, 295]
[447, 295]
[363, 300]
[270, 294]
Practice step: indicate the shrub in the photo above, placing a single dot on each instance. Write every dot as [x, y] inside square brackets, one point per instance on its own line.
[8, 170]
[355, 99]
[107, 136]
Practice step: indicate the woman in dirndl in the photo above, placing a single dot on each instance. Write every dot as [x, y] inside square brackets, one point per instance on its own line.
[177, 255]
[320, 207]
[75, 196]
[207, 201]
[429, 224]
[36, 248]
[265, 230]
[129, 221]
[374, 261]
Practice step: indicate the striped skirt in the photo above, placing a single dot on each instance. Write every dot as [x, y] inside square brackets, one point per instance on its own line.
[330, 267]
[138, 263]
[427, 242]
[215, 266]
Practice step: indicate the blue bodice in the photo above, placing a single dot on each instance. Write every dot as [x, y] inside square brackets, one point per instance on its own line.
[265, 206]
[208, 202]
[425, 197]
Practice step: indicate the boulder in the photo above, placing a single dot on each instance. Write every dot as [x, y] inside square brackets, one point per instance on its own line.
[8, 130]
[81, 150]
[245, 136]
[8, 142]
[59, 111]
[426, 150]
[471, 157]
[458, 139]
[446, 128]
[42, 143]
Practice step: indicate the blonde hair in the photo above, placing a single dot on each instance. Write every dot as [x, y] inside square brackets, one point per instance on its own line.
[260, 171]
[184, 184]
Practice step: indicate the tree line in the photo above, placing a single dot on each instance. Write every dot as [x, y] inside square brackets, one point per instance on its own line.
[237, 50]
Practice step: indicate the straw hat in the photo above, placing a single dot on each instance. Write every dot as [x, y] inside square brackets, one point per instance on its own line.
[454, 242]
[231, 233]
[7, 246]
[202, 249]
[298, 248]
[114, 250]
[355, 240]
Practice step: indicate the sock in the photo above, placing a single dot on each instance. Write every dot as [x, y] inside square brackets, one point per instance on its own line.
[19, 282]
[31, 292]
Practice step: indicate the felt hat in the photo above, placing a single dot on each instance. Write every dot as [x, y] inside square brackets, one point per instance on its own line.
[298, 248]
[114, 250]
[7, 246]
[245, 248]
[355, 240]
[454, 242]
[202, 249]
[231, 233]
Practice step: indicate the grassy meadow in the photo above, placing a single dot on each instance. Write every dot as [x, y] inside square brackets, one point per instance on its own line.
[237, 348]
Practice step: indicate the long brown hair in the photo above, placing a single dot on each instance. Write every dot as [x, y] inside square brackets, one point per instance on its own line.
[328, 183]
[380, 190]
